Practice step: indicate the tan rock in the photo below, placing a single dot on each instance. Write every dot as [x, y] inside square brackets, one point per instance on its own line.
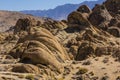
[26, 68]
[77, 19]
[40, 47]
[100, 16]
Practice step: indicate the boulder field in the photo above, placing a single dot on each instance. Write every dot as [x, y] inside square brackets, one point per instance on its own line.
[86, 46]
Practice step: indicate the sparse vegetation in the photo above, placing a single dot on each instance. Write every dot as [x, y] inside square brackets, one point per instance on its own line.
[82, 71]
[21, 76]
[30, 77]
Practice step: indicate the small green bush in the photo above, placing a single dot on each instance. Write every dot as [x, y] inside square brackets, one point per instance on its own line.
[30, 77]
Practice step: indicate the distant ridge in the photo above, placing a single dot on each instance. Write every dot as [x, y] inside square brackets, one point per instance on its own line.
[8, 19]
[61, 12]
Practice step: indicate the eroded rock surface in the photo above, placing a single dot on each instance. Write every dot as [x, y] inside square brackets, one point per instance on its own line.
[85, 46]
[39, 46]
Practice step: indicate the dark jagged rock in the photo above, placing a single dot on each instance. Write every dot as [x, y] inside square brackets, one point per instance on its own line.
[113, 6]
[100, 17]
[95, 42]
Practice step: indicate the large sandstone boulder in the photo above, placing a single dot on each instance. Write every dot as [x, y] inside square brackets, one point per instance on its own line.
[23, 25]
[26, 68]
[100, 17]
[77, 19]
[39, 46]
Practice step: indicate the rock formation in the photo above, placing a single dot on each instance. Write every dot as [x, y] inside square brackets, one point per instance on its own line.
[106, 15]
[100, 17]
[38, 46]
[86, 46]
[78, 20]
[113, 6]
[95, 42]
[94, 38]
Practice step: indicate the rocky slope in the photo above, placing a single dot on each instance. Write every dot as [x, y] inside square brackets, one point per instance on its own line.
[8, 19]
[86, 46]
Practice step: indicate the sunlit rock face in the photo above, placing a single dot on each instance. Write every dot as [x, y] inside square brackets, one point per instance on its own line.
[38, 45]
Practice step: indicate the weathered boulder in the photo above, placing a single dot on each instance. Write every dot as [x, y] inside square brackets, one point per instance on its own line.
[39, 46]
[100, 17]
[84, 51]
[25, 24]
[53, 26]
[94, 42]
[77, 19]
[26, 68]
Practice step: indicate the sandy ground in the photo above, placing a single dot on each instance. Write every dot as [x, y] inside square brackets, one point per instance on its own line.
[98, 68]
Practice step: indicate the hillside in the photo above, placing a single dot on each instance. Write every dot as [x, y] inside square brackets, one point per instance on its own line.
[61, 12]
[9, 18]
